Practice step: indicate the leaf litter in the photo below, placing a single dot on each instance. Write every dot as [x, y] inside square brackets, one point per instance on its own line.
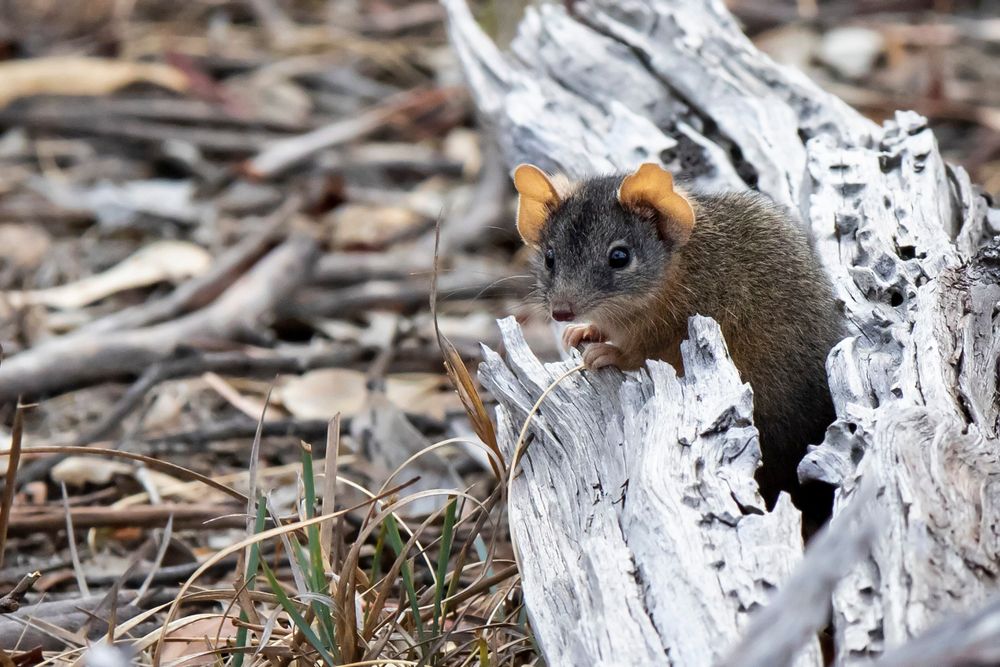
[248, 253]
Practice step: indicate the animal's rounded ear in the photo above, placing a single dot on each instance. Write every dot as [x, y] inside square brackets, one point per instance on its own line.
[536, 199]
[652, 186]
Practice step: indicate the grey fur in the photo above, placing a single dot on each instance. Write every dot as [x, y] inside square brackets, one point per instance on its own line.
[746, 265]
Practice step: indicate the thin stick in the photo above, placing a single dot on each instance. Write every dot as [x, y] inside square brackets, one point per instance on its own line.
[10, 481]
[81, 580]
[286, 153]
[330, 486]
[12, 601]
[161, 553]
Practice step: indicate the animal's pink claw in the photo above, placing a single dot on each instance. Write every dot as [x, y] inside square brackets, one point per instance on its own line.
[575, 334]
[599, 355]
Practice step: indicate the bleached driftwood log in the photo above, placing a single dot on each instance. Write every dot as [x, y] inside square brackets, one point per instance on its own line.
[629, 483]
[915, 391]
[901, 233]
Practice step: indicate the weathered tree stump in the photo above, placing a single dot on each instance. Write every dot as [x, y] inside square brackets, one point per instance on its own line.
[636, 496]
[641, 537]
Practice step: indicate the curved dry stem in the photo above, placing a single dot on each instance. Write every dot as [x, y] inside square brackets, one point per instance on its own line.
[156, 464]
[437, 445]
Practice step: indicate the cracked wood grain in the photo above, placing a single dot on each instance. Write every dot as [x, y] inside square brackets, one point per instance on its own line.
[636, 499]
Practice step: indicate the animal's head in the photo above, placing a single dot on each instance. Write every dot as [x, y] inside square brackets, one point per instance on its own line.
[603, 246]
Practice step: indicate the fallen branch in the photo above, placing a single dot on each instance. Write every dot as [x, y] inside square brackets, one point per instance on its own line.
[243, 428]
[800, 609]
[231, 142]
[70, 615]
[69, 362]
[351, 268]
[404, 296]
[286, 153]
[30, 520]
[960, 641]
[205, 288]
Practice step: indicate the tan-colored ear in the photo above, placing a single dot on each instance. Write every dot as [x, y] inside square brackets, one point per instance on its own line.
[652, 186]
[537, 197]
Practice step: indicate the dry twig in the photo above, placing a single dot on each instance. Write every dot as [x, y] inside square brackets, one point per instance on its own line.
[75, 360]
[11, 602]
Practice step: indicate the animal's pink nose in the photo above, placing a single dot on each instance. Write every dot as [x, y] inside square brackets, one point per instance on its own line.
[563, 314]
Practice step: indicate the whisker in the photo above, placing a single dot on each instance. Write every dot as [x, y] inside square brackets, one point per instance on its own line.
[495, 283]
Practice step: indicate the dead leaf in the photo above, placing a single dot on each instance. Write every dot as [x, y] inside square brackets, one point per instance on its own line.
[37, 493]
[24, 246]
[378, 334]
[75, 75]
[251, 407]
[321, 394]
[198, 636]
[370, 226]
[470, 398]
[80, 470]
[272, 97]
[462, 145]
[421, 393]
[168, 404]
[161, 261]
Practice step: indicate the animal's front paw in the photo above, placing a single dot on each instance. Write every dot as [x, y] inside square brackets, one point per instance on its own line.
[575, 334]
[599, 355]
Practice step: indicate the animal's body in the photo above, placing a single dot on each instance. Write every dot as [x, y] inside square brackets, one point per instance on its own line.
[628, 260]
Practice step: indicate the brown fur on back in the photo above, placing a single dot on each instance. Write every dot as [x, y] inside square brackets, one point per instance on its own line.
[753, 271]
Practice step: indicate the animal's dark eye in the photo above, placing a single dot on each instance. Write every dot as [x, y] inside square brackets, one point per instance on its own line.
[619, 257]
[550, 258]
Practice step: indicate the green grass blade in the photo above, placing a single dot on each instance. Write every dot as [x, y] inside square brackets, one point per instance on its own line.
[444, 555]
[484, 652]
[316, 571]
[396, 542]
[300, 558]
[376, 570]
[253, 563]
[295, 616]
